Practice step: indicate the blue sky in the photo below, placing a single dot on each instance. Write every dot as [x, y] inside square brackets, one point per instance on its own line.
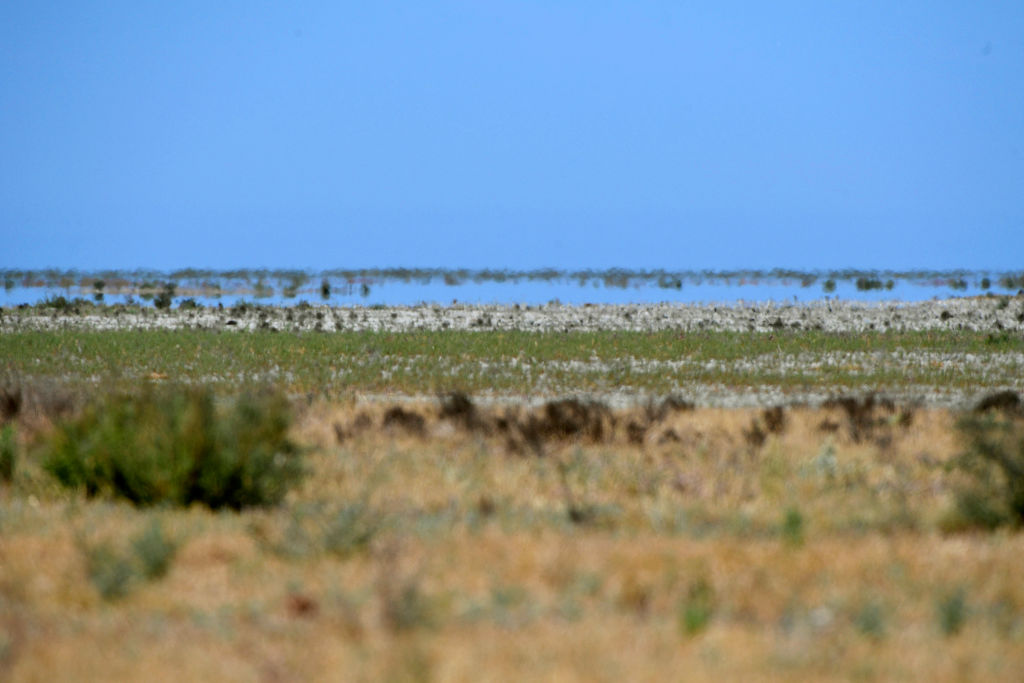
[512, 134]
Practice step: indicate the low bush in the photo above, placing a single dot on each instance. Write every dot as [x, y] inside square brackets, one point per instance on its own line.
[951, 612]
[870, 620]
[154, 551]
[865, 284]
[115, 571]
[991, 492]
[351, 530]
[793, 527]
[175, 446]
[697, 608]
[110, 572]
[165, 297]
[8, 453]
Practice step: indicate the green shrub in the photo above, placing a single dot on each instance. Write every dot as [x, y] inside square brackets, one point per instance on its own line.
[697, 608]
[174, 446]
[991, 493]
[165, 297]
[109, 571]
[8, 454]
[865, 284]
[154, 551]
[351, 530]
[406, 608]
[114, 572]
[951, 612]
[63, 304]
[793, 527]
[870, 620]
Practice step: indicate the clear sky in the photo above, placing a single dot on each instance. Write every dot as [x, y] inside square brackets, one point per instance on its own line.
[565, 133]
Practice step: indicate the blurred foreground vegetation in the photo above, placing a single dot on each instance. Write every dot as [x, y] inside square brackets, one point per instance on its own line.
[448, 540]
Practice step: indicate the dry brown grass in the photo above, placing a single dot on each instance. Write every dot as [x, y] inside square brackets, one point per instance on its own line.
[477, 569]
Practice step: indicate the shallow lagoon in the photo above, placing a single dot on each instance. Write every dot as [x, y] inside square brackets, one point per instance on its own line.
[398, 287]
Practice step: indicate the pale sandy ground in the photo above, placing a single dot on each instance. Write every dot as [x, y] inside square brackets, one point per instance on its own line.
[978, 313]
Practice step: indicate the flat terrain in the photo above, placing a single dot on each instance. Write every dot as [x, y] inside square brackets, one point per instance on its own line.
[741, 493]
[943, 353]
[988, 313]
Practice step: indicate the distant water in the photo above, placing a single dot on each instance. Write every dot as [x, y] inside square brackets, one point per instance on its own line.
[445, 287]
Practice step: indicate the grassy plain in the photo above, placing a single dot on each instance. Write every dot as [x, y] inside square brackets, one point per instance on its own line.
[440, 541]
[518, 363]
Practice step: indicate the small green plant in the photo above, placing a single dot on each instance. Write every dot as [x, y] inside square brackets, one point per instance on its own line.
[109, 571]
[793, 527]
[697, 608]
[829, 286]
[951, 612]
[351, 530]
[991, 492]
[114, 572]
[8, 453]
[870, 620]
[154, 550]
[405, 607]
[171, 445]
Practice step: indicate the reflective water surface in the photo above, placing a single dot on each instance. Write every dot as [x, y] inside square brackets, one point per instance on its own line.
[369, 287]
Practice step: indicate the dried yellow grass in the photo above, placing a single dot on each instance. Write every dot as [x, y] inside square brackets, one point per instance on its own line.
[507, 586]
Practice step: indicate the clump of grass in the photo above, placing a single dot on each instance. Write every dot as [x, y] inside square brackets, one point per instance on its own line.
[110, 572]
[951, 612]
[793, 527]
[65, 305]
[154, 550]
[351, 530]
[697, 608]
[8, 453]
[114, 572]
[407, 608]
[991, 493]
[173, 446]
[870, 620]
[165, 296]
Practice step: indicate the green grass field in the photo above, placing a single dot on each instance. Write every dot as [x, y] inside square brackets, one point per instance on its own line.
[520, 363]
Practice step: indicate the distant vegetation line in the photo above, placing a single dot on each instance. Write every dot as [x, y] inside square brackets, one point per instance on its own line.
[294, 279]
